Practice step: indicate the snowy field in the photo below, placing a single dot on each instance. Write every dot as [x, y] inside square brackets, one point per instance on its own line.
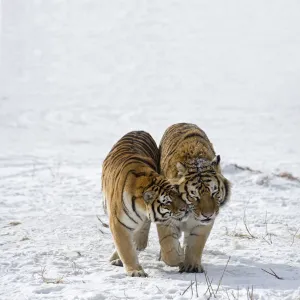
[77, 75]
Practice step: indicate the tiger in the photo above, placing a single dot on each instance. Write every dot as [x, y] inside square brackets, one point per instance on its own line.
[135, 195]
[187, 158]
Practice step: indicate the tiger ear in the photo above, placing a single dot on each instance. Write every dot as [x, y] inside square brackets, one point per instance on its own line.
[180, 168]
[148, 196]
[227, 185]
[216, 160]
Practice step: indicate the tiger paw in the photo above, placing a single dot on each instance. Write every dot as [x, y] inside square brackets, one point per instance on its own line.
[137, 273]
[190, 268]
[117, 262]
[141, 242]
[141, 246]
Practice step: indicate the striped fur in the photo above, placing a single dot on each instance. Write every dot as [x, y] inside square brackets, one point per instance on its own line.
[135, 194]
[188, 158]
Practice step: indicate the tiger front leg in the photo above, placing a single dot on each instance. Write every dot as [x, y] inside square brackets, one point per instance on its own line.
[194, 243]
[140, 237]
[171, 251]
[126, 251]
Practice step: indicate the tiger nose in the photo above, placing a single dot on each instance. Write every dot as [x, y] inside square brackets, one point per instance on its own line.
[207, 215]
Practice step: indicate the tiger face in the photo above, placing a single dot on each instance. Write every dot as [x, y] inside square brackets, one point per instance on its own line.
[203, 188]
[164, 204]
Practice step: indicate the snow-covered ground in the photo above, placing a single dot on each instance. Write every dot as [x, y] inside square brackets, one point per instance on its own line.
[77, 75]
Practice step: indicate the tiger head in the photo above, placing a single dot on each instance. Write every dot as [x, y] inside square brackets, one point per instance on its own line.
[163, 202]
[203, 187]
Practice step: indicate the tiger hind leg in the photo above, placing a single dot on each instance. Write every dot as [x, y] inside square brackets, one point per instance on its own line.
[140, 239]
[115, 259]
[126, 251]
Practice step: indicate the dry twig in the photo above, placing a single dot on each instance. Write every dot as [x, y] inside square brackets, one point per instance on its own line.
[250, 295]
[159, 290]
[209, 286]
[50, 280]
[294, 235]
[223, 274]
[238, 294]
[187, 288]
[246, 226]
[226, 291]
[272, 273]
[196, 285]
[102, 223]
[267, 235]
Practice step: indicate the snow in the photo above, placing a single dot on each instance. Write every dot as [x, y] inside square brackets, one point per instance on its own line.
[77, 75]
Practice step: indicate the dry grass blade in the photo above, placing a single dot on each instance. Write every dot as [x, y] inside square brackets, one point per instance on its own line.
[246, 226]
[267, 241]
[187, 288]
[223, 274]
[159, 290]
[294, 235]
[101, 231]
[50, 280]
[250, 295]
[210, 288]
[267, 235]
[227, 294]
[237, 296]
[196, 285]
[103, 224]
[273, 274]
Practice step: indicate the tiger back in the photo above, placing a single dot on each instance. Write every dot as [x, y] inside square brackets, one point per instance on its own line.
[182, 143]
[135, 194]
[133, 148]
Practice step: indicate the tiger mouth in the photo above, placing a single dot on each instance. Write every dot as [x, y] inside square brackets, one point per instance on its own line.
[206, 221]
